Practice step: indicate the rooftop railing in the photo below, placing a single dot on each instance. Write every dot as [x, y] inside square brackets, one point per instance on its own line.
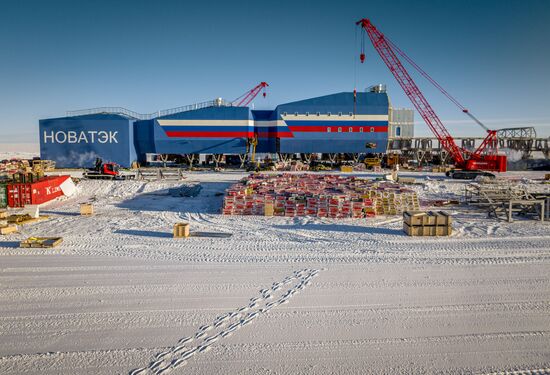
[149, 116]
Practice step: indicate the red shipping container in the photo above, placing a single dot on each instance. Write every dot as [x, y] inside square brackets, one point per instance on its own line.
[41, 191]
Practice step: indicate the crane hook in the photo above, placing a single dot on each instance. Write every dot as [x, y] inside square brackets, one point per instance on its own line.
[362, 55]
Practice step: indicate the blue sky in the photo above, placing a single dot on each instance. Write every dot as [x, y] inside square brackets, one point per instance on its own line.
[149, 55]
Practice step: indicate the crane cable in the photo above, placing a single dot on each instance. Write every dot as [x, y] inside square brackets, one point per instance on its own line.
[434, 83]
[355, 76]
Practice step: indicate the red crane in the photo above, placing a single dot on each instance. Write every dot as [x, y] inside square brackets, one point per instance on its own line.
[484, 157]
[245, 99]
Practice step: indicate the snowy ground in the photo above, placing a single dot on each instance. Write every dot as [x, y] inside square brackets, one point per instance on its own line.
[280, 296]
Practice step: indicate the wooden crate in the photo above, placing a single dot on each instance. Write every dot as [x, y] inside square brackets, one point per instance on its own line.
[427, 230]
[86, 209]
[3, 214]
[11, 228]
[431, 223]
[181, 230]
[41, 242]
[415, 218]
[269, 210]
[346, 168]
[443, 218]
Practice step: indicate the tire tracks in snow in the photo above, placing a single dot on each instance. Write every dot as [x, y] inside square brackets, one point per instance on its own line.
[226, 324]
[540, 371]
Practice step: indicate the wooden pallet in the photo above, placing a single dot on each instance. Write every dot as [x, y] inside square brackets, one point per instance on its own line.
[11, 228]
[41, 242]
[24, 219]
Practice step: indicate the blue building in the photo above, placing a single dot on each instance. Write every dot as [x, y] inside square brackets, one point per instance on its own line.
[337, 123]
[76, 141]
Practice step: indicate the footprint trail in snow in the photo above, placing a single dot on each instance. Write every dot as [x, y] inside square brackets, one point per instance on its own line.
[226, 324]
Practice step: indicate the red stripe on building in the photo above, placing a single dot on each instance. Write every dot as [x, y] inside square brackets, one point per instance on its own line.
[175, 134]
[334, 129]
[275, 135]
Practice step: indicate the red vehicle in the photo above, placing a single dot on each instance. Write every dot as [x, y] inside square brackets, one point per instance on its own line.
[104, 171]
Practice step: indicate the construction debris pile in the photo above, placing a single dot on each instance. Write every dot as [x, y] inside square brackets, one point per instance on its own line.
[330, 196]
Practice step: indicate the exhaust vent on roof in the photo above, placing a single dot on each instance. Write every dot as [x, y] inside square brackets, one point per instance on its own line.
[380, 88]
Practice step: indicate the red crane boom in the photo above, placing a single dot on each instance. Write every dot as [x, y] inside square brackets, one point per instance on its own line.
[245, 99]
[485, 157]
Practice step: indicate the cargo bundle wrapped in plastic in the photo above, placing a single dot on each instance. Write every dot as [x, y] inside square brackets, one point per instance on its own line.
[330, 196]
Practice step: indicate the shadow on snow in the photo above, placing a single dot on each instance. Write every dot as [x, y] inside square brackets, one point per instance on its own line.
[343, 228]
[151, 233]
[9, 244]
[208, 201]
[144, 233]
[61, 213]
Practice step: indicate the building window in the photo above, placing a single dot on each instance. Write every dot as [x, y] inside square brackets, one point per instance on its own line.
[328, 129]
[398, 131]
[339, 130]
[350, 129]
[372, 130]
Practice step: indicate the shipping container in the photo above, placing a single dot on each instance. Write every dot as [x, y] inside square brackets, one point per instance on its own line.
[42, 191]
